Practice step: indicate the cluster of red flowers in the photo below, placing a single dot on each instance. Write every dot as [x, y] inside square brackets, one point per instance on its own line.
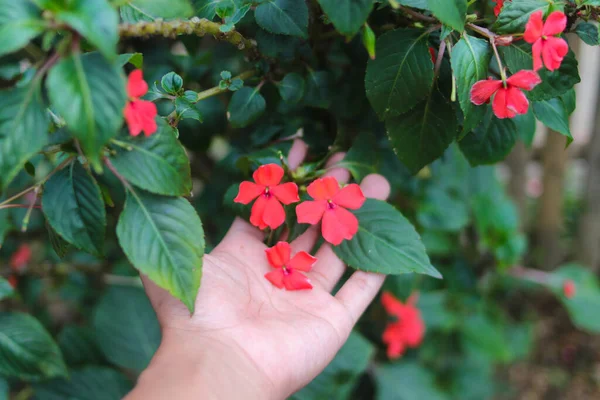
[548, 50]
[329, 207]
[407, 330]
[139, 114]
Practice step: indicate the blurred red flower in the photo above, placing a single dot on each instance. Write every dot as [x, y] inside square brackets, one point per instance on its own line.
[269, 194]
[407, 331]
[286, 273]
[498, 7]
[20, 258]
[13, 281]
[547, 49]
[139, 114]
[569, 289]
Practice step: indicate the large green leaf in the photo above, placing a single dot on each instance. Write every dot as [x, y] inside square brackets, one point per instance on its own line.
[157, 163]
[89, 93]
[246, 105]
[95, 20]
[23, 128]
[6, 289]
[79, 346]
[347, 15]
[515, 14]
[423, 134]
[554, 83]
[126, 327]
[553, 114]
[406, 381]
[285, 17]
[491, 141]
[450, 12]
[27, 351]
[588, 32]
[73, 205]
[149, 10]
[470, 59]
[20, 21]
[401, 75]
[89, 383]
[163, 238]
[386, 242]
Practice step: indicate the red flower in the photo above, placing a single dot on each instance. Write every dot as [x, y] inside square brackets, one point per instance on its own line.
[407, 331]
[267, 210]
[546, 46]
[330, 206]
[569, 289]
[286, 273]
[20, 258]
[139, 114]
[498, 8]
[509, 99]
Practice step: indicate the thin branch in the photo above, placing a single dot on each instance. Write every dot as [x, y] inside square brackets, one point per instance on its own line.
[440, 57]
[416, 15]
[112, 169]
[19, 206]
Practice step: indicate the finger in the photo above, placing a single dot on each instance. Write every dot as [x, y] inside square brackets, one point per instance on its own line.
[241, 231]
[329, 268]
[359, 291]
[297, 154]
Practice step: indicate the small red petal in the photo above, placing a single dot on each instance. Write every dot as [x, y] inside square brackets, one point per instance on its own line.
[21, 257]
[350, 196]
[248, 191]
[256, 214]
[524, 79]
[268, 175]
[302, 261]
[132, 118]
[555, 24]
[553, 52]
[536, 52]
[279, 255]
[275, 277]
[136, 86]
[534, 27]
[311, 212]
[338, 224]
[274, 214]
[498, 7]
[483, 90]
[287, 193]
[392, 305]
[516, 100]
[323, 188]
[499, 105]
[295, 280]
[569, 289]
[432, 54]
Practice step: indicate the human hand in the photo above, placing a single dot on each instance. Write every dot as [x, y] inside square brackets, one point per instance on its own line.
[247, 338]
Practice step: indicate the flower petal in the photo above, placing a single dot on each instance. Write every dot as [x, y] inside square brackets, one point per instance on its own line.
[338, 224]
[311, 212]
[136, 86]
[275, 277]
[295, 280]
[302, 261]
[483, 90]
[350, 196]
[536, 52]
[248, 191]
[268, 175]
[524, 79]
[323, 188]
[499, 105]
[392, 337]
[257, 212]
[554, 51]
[516, 100]
[498, 7]
[132, 118]
[274, 214]
[287, 193]
[534, 27]
[147, 111]
[555, 24]
[279, 255]
[392, 305]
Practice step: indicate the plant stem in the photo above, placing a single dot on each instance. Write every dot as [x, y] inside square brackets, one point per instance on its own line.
[18, 206]
[416, 15]
[492, 38]
[112, 169]
[440, 57]
[25, 222]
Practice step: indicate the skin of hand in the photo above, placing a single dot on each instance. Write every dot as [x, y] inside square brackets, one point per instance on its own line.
[248, 339]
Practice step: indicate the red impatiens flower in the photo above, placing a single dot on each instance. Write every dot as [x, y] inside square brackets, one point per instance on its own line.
[286, 273]
[407, 331]
[267, 210]
[546, 46]
[569, 289]
[20, 258]
[509, 99]
[330, 206]
[498, 7]
[139, 114]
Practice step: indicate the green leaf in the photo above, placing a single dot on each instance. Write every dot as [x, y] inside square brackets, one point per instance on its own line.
[23, 128]
[526, 126]
[59, 245]
[284, 17]
[157, 163]
[569, 100]
[4, 389]
[27, 351]
[515, 14]
[163, 238]
[422, 4]
[6, 224]
[72, 203]
[347, 15]
[442, 210]
[206, 8]
[403, 66]
[246, 105]
[554, 83]
[421, 135]
[386, 243]
[341, 375]
[470, 59]
[89, 93]
[318, 89]
[361, 160]
[485, 337]
[149, 10]
[450, 12]
[135, 59]
[96, 20]
[588, 33]
[79, 346]
[20, 21]
[491, 141]
[171, 83]
[406, 381]
[368, 40]
[126, 327]
[553, 114]
[6, 290]
[89, 383]
[291, 88]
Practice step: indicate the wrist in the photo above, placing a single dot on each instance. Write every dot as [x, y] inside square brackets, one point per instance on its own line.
[189, 366]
